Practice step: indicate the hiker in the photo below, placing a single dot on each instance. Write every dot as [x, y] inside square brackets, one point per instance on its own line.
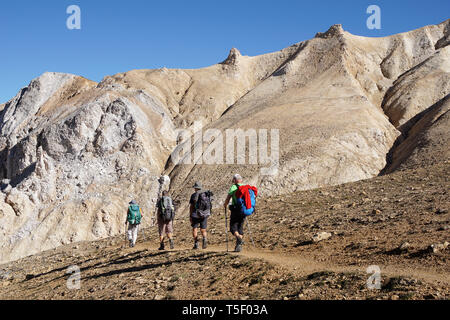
[199, 212]
[242, 205]
[166, 215]
[134, 217]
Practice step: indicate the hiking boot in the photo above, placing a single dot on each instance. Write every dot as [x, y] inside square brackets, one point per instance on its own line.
[172, 246]
[161, 247]
[195, 245]
[205, 243]
[239, 244]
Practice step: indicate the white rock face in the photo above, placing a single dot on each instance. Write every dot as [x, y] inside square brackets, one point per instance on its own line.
[73, 153]
[419, 88]
[74, 159]
[28, 101]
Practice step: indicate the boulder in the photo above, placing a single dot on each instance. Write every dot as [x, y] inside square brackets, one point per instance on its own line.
[321, 236]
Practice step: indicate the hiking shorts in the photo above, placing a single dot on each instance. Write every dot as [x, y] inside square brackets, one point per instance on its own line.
[237, 221]
[165, 228]
[201, 223]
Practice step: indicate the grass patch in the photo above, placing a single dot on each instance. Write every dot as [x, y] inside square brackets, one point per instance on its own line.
[320, 274]
[255, 279]
[407, 296]
[394, 284]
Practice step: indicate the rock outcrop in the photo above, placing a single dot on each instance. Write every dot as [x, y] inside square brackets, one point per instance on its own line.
[73, 154]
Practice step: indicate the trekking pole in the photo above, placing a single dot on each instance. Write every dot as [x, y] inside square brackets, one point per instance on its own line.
[226, 227]
[126, 238]
[250, 231]
[154, 218]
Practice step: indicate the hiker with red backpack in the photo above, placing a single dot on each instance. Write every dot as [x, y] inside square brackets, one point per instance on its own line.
[199, 212]
[243, 199]
[165, 217]
[134, 217]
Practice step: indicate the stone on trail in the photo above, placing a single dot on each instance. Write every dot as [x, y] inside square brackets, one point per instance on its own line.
[321, 236]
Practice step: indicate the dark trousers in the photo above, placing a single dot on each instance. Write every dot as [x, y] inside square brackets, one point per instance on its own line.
[237, 221]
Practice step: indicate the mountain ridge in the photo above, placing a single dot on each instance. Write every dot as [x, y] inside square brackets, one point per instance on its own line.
[73, 152]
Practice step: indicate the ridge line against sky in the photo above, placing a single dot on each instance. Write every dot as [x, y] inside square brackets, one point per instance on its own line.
[118, 36]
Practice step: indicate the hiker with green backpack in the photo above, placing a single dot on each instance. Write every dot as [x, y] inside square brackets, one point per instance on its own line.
[134, 217]
[165, 217]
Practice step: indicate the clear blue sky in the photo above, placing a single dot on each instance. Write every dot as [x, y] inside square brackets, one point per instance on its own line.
[117, 36]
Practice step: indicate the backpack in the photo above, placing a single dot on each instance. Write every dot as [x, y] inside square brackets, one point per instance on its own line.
[167, 214]
[203, 205]
[246, 194]
[134, 214]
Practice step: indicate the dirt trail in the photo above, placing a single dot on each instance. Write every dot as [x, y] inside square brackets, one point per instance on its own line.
[303, 266]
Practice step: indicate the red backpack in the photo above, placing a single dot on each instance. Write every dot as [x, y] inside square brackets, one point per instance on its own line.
[246, 199]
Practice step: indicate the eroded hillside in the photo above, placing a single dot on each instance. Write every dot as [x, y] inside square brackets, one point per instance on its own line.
[73, 153]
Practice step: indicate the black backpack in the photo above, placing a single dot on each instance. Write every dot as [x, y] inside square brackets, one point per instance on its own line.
[167, 214]
[203, 206]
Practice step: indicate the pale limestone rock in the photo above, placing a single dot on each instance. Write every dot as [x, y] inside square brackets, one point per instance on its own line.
[321, 236]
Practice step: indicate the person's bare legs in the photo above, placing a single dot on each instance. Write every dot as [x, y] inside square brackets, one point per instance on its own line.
[170, 236]
[161, 241]
[204, 236]
[239, 241]
[195, 235]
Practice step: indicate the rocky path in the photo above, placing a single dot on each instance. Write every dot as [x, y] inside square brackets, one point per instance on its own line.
[302, 266]
[396, 222]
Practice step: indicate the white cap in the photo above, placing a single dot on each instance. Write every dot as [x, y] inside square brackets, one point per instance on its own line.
[237, 177]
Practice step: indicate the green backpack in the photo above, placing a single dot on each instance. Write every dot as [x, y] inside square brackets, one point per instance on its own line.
[134, 214]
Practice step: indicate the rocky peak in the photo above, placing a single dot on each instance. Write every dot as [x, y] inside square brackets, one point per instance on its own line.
[445, 40]
[334, 31]
[28, 101]
[233, 57]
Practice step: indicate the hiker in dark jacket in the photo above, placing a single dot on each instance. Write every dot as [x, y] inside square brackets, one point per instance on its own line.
[237, 219]
[165, 217]
[134, 217]
[196, 218]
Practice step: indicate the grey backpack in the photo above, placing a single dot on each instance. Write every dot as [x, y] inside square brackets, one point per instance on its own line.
[166, 211]
[203, 206]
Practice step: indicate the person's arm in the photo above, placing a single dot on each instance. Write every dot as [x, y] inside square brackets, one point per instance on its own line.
[227, 201]
[192, 206]
[191, 211]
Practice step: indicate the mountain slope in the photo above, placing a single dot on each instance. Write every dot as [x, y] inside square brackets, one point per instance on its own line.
[369, 221]
[73, 153]
[329, 103]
